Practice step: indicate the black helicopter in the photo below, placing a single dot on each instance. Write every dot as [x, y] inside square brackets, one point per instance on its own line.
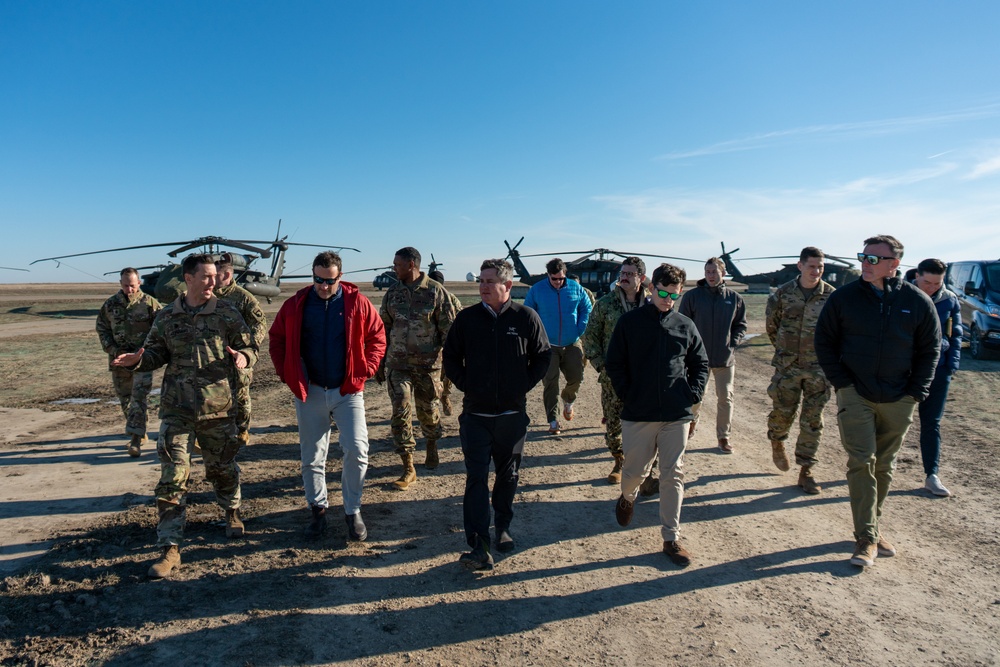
[839, 271]
[388, 278]
[167, 281]
[597, 274]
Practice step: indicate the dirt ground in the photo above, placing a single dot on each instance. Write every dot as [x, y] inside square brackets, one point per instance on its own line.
[770, 583]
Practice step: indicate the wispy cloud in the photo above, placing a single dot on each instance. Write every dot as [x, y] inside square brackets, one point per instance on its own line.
[842, 130]
[986, 167]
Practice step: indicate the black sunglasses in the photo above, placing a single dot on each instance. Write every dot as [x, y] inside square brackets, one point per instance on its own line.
[325, 281]
[872, 259]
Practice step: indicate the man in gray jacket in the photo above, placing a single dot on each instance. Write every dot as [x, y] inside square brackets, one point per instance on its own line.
[721, 318]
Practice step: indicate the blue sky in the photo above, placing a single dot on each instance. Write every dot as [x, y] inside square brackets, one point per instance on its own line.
[658, 127]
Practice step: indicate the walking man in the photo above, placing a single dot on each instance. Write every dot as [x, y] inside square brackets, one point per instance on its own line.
[721, 318]
[877, 340]
[792, 312]
[564, 308]
[495, 353]
[628, 295]
[417, 314]
[245, 302]
[658, 366]
[122, 325]
[202, 341]
[326, 341]
[930, 280]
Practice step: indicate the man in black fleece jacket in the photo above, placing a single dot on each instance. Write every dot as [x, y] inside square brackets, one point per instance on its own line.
[658, 366]
[495, 353]
[877, 340]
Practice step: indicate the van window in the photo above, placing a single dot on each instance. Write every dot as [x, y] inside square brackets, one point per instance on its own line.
[958, 274]
[976, 277]
[993, 277]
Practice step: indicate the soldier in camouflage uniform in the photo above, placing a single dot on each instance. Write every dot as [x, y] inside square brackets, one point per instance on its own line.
[122, 325]
[456, 303]
[245, 302]
[628, 295]
[201, 340]
[792, 312]
[417, 314]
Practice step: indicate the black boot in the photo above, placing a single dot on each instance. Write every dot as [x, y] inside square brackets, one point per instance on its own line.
[356, 527]
[479, 558]
[317, 526]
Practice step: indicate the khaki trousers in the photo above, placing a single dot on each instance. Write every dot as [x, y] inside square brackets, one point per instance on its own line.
[640, 443]
[725, 383]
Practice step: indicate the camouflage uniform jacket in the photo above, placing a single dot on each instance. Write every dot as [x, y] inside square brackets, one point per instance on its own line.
[197, 383]
[417, 318]
[791, 325]
[249, 308]
[602, 323]
[123, 323]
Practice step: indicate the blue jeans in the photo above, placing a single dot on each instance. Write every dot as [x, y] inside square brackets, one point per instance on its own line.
[931, 409]
[501, 439]
[314, 438]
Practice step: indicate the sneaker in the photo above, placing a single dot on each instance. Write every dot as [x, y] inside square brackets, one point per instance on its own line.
[885, 547]
[554, 428]
[724, 446]
[479, 558]
[864, 553]
[677, 554]
[505, 542]
[623, 511]
[934, 485]
[568, 412]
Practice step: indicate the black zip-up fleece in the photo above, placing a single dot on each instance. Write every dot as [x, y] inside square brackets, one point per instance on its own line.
[658, 371]
[886, 347]
[496, 360]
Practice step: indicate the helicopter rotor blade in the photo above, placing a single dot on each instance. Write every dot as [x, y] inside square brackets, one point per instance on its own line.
[11, 268]
[98, 252]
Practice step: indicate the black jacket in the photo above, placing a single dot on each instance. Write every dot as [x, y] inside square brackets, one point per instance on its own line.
[721, 317]
[496, 360]
[886, 348]
[659, 373]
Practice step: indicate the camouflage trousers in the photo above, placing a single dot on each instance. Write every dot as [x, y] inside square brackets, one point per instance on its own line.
[445, 386]
[133, 391]
[611, 405]
[219, 445]
[424, 385]
[242, 395]
[786, 390]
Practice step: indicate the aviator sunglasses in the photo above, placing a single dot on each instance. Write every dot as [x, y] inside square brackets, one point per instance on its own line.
[872, 259]
[325, 281]
[663, 294]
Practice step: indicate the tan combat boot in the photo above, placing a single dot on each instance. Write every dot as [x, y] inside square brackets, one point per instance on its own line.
[446, 405]
[170, 560]
[234, 525]
[432, 459]
[135, 446]
[779, 456]
[807, 482]
[409, 472]
[615, 476]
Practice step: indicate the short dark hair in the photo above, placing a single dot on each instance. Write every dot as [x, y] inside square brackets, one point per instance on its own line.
[436, 275]
[129, 270]
[668, 274]
[718, 262]
[932, 265]
[639, 265]
[891, 241]
[410, 254]
[810, 251]
[225, 261]
[328, 259]
[555, 265]
[503, 268]
[191, 263]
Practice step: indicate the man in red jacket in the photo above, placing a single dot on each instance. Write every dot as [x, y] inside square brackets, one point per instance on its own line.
[325, 342]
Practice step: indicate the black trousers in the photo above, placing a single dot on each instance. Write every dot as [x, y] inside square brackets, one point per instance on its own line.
[501, 439]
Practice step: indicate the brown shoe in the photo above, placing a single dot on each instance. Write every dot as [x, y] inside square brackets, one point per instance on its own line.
[724, 446]
[167, 563]
[865, 552]
[779, 456]
[409, 476]
[692, 427]
[432, 461]
[677, 554]
[807, 482]
[885, 547]
[135, 446]
[623, 511]
[615, 476]
[446, 405]
[234, 524]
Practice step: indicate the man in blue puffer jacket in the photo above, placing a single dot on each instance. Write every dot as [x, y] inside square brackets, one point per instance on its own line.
[565, 309]
[930, 280]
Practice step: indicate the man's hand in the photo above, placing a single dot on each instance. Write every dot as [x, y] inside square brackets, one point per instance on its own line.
[128, 360]
[380, 373]
[238, 358]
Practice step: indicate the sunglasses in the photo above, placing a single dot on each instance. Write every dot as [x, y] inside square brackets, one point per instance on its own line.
[663, 294]
[557, 279]
[872, 259]
[325, 281]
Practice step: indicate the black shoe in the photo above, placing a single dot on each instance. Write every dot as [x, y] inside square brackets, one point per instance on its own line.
[505, 543]
[623, 511]
[356, 527]
[479, 558]
[317, 526]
